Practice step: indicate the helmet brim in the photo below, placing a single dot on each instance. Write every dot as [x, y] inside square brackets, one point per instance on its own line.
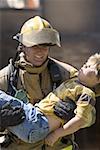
[44, 36]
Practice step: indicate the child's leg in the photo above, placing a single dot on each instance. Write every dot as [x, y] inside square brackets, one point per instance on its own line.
[9, 101]
[35, 125]
[34, 128]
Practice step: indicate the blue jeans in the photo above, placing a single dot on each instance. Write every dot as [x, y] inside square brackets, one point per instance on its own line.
[35, 125]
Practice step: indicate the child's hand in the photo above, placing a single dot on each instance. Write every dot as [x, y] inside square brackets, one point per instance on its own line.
[51, 139]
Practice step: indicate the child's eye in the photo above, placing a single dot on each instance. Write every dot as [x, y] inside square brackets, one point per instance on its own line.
[85, 66]
[88, 66]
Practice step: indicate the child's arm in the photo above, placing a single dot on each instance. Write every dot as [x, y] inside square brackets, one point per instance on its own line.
[70, 127]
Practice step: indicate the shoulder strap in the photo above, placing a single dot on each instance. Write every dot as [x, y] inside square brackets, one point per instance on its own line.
[54, 73]
[12, 78]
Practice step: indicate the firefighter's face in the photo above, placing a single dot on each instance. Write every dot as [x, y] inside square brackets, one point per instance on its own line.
[36, 55]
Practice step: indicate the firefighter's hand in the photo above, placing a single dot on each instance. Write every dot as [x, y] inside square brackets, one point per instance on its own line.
[65, 109]
[51, 139]
[11, 116]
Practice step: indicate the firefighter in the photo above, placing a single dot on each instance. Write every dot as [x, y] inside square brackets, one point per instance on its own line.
[33, 74]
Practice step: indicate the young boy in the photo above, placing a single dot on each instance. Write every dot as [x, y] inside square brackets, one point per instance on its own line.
[42, 119]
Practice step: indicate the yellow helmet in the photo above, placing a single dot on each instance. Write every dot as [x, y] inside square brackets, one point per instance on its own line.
[37, 31]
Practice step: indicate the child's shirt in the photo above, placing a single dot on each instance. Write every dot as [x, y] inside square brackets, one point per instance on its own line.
[72, 89]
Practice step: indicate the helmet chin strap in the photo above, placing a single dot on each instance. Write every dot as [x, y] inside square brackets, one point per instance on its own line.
[19, 50]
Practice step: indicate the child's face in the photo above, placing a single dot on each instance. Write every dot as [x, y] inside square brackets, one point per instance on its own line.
[87, 75]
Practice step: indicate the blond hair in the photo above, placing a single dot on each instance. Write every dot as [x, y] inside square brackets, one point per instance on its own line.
[95, 59]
